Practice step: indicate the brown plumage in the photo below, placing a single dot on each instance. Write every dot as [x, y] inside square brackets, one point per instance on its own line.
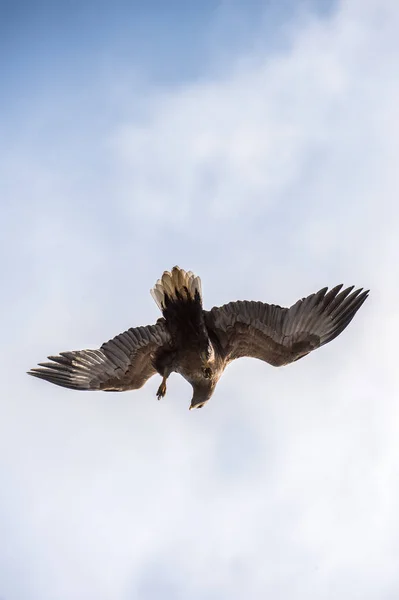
[199, 344]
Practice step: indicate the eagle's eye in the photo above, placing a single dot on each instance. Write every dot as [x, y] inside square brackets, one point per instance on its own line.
[207, 372]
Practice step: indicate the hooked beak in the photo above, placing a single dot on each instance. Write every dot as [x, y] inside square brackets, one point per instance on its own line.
[199, 405]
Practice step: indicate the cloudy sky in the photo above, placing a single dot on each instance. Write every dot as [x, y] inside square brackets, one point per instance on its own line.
[257, 145]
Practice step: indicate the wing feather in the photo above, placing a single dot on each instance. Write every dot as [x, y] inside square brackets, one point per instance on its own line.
[282, 335]
[123, 363]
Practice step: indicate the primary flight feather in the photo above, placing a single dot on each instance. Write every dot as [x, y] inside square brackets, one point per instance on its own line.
[199, 344]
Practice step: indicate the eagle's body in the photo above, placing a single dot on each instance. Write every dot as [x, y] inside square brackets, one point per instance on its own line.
[199, 344]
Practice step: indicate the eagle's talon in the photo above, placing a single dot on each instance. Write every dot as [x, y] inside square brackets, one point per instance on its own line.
[161, 390]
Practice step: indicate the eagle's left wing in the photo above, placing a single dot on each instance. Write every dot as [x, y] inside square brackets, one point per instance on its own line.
[123, 363]
[282, 335]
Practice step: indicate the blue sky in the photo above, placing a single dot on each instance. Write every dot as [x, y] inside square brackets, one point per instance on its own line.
[255, 144]
[50, 45]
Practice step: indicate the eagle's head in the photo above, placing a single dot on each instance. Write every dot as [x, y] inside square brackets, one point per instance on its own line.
[203, 389]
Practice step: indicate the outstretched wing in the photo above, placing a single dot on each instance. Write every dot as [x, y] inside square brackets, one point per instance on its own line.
[282, 335]
[123, 363]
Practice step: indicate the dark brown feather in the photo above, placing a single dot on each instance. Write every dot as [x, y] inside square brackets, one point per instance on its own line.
[123, 363]
[280, 335]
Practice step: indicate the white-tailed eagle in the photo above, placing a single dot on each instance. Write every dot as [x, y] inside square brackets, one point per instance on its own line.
[199, 344]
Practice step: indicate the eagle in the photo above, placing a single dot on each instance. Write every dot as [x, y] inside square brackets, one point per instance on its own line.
[199, 344]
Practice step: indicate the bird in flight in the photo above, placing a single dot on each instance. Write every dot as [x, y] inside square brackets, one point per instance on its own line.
[199, 344]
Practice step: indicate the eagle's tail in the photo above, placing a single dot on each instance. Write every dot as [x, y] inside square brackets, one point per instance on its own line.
[178, 295]
[175, 286]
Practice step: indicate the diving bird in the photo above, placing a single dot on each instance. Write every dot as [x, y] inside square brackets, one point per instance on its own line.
[199, 344]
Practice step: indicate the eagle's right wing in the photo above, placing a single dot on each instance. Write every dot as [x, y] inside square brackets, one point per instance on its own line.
[282, 335]
[123, 363]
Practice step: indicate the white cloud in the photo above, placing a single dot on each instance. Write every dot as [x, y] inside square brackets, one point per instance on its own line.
[270, 182]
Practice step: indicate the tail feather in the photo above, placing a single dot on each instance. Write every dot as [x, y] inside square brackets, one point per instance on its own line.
[177, 285]
[179, 296]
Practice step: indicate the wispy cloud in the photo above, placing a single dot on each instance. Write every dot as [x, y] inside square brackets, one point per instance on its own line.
[270, 179]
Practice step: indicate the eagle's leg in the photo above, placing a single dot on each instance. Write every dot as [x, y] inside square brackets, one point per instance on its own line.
[162, 388]
[164, 366]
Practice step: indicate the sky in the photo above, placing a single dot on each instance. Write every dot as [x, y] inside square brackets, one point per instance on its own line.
[256, 144]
